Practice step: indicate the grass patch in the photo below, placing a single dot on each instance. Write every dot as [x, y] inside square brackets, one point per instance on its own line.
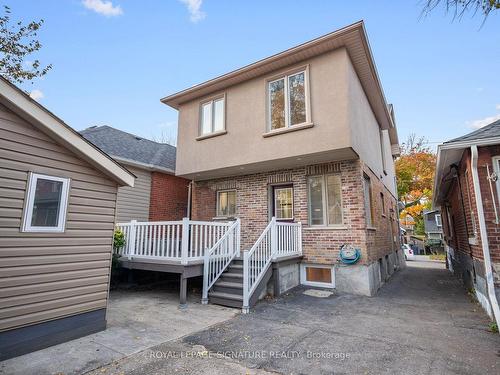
[438, 257]
[493, 327]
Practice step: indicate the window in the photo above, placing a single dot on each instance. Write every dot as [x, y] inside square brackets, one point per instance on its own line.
[325, 200]
[283, 203]
[287, 101]
[317, 275]
[212, 116]
[46, 203]
[368, 200]
[226, 203]
[382, 151]
[439, 223]
[382, 200]
[472, 229]
[449, 223]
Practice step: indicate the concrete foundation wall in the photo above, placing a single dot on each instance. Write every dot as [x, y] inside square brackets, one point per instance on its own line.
[289, 277]
[367, 279]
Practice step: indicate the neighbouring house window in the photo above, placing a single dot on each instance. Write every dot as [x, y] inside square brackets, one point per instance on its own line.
[283, 203]
[212, 116]
[449, 219]
[226, 203]
[367, 188]
[382, 200]
[325, 200]
[439, 223]
[317, 275]
[287, 101]
[46, 202]
[472, 229]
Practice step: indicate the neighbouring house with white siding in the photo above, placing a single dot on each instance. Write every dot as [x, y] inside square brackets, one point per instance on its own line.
[58, 197]
[157, 194]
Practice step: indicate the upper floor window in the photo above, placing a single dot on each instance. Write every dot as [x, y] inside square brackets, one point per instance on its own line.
[212, 116]
[287, 100]
[46, 203]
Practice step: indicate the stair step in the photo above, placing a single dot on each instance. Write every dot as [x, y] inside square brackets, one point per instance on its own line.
[231, 275]
[228, 284]
[229, 296]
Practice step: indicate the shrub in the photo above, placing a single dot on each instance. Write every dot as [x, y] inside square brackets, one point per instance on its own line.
[118, 239]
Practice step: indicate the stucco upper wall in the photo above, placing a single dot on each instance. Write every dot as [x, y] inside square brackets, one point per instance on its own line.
[246, 121]
[365, 133]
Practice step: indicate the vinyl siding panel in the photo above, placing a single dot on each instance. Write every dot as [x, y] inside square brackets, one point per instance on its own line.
[132, 203]
[45, 276]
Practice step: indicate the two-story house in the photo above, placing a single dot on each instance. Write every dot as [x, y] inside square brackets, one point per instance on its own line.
[303, 136]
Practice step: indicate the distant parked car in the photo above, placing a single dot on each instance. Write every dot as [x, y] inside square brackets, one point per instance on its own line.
[409, 255]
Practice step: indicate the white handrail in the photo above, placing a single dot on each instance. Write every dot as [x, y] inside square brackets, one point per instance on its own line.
[218, 258]
[184, 240]
[279, 239]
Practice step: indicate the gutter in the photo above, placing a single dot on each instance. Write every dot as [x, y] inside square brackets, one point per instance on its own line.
[484, 236]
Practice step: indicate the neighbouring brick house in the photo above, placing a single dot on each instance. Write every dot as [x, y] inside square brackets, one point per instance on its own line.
[158, 195]
[467, 193]
[307, 136]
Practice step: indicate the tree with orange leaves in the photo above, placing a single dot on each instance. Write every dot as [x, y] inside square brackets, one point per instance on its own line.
[415, 178]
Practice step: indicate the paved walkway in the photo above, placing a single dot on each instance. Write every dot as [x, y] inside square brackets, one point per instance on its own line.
[421, 322]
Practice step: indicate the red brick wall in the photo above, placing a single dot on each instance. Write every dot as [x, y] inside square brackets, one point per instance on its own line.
[169, 195]
[321, 245]
[383, 237]
[463, 220]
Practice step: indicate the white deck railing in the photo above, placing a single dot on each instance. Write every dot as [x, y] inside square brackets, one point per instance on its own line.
[279, 239]
[218, 258]
[185, 240]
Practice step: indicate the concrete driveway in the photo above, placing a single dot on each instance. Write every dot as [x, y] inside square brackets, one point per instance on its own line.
[137, 320]
[421, 322]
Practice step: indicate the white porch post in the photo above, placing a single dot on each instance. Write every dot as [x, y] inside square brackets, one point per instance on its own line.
[300, 238]
[246, 299]
[206, 267]
[185, 240]
[274, 238]
[131, 239]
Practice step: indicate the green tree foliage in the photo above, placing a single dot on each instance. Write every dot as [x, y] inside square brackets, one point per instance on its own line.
[17, 42]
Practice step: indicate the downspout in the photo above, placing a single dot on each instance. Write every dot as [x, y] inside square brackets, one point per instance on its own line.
[190, 185]
[484, 236]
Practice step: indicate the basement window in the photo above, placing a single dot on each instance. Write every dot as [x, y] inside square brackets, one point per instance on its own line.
[46, 203]
[317, 275]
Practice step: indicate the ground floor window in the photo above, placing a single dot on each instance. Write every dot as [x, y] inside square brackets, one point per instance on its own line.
[317, 275]
[325, 200]
[283, 202]
[367, 188]
[226, 203]
[46, 203]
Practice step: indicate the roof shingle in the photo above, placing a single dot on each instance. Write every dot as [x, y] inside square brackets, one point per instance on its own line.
[488, 131]
[120, 144]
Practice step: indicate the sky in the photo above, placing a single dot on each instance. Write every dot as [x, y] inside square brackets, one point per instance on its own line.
[114, 60]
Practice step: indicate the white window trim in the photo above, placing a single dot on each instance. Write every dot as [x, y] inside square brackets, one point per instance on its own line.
[436, 219]
[304, 281]
[324, 196]
[284, 76]
[212, 101]
[217, 208]
[30, 200]
[496, 169]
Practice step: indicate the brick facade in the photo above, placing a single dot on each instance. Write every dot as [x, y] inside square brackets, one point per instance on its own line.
[320, 245]
[169, 196]
[461, 233]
